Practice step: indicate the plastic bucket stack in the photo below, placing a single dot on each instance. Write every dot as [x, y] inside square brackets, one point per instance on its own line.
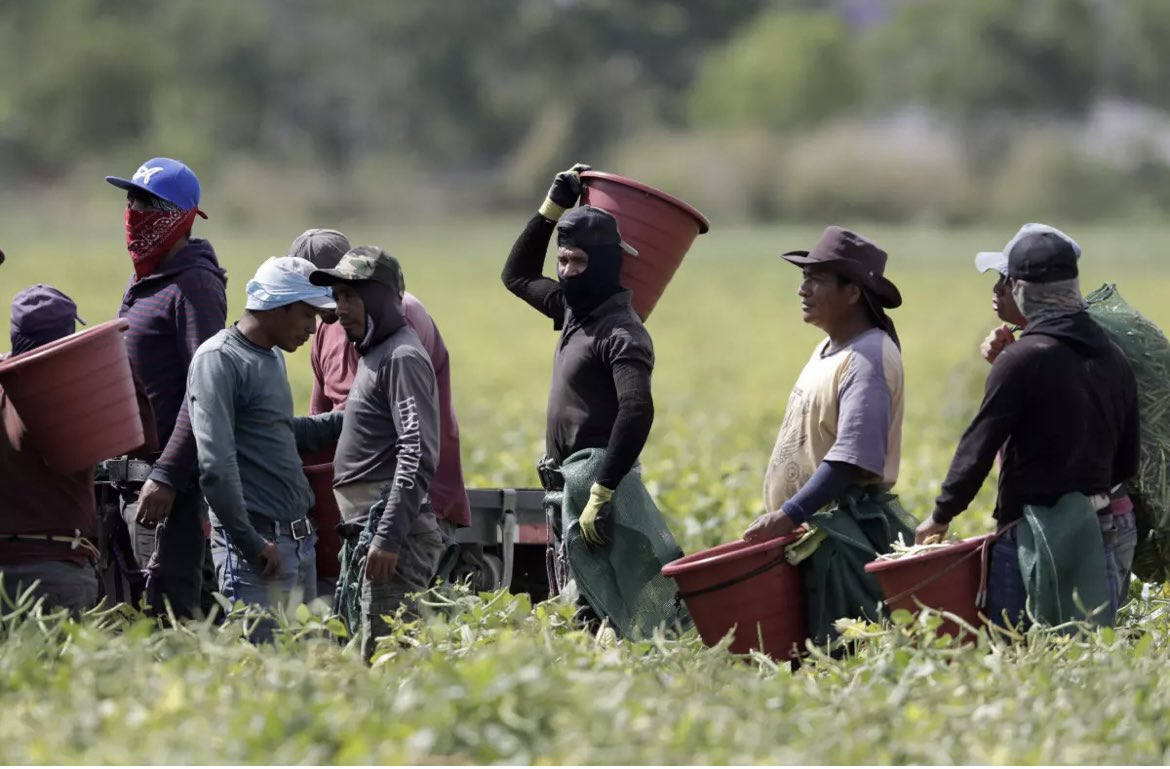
[948, 579]
[76, 397]
[659, 225]
[748, 587]
[326, 515]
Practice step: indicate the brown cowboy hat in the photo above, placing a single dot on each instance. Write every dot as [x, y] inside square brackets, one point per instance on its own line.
[852, 256]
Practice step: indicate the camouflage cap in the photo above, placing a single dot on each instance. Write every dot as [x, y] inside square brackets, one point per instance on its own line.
[361, 264]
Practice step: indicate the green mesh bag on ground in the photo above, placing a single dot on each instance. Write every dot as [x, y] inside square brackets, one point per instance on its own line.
[1148, 352]
[622, 580]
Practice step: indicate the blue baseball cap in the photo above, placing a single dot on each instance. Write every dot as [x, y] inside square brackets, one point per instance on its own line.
[164, 178]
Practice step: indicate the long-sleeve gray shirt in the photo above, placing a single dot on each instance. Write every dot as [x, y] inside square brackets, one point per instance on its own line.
[391, 431]
[247, 438]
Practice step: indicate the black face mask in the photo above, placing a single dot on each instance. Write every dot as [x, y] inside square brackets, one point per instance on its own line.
[600, 281]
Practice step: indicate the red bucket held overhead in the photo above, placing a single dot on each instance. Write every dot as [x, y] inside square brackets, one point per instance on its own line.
[326, 515]
[76, 397]
[750, 587]
[660, 226]
[949, 579]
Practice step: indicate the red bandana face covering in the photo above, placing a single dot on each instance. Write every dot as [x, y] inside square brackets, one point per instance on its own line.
[151, 234]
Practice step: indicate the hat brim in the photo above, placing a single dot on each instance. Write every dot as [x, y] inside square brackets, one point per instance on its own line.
[986, 261]
[883, 288]
[328, 278]
[126, 184]
[321, 302]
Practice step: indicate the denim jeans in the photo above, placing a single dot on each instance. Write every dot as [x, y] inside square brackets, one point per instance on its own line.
[240, 579]
[1120, 535]
[1007, 599]
[62, 584]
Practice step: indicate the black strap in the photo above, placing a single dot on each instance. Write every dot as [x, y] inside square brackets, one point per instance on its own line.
[779, 559]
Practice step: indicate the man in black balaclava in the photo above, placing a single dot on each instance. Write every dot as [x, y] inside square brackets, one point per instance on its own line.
[600, 392]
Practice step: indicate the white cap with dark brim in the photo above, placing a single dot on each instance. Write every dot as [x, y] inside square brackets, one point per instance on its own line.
[985, 261]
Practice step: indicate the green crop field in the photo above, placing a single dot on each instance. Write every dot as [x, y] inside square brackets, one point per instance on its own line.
[492, 679]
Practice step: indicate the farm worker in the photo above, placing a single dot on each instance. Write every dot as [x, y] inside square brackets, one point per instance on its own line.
[838, 449]
[48, 519]
[241, 406]
[1062, 401]
[335, 361]
[388, 450]
[175, 300]
[600, 395]
[1118, 522]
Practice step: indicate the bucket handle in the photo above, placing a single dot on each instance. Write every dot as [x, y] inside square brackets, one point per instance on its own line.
[735, 580]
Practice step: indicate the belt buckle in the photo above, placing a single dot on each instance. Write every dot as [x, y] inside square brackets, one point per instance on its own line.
[301, 529]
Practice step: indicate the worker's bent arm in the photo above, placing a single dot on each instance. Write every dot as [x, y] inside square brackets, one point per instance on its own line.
[993, 424]
[212, 384]
[523, 272]
[631, 428]
[414, 402]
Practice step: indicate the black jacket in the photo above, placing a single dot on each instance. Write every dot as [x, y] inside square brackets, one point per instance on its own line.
[1062, 402]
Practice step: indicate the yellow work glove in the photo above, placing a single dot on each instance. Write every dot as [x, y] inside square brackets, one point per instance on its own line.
[597, 511]
[563, 193]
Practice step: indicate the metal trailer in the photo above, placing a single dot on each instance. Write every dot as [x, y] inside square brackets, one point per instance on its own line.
[511, 528]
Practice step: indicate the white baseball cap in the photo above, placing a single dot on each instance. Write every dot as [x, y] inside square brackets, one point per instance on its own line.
[998, 260]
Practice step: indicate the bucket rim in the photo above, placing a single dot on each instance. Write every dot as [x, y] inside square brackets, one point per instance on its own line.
[958, 548]
[728, 554]
[52, 349]
[704, 224]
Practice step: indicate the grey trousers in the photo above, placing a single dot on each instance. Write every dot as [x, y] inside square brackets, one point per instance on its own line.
[418, 559]
[62, 584]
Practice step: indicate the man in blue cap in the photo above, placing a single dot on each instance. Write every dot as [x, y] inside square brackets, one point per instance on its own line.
[48, 519]
[263, 542]
[175, 300]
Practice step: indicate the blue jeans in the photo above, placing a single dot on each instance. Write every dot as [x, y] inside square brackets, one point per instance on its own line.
[1120, 535]
[240, 580]
[1007, 599]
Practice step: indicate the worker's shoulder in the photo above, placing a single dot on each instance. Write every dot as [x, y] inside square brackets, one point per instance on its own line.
[405, 345]
[217, 343]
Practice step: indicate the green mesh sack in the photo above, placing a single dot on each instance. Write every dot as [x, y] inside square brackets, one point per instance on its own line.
[622, 580]
[1148, 352]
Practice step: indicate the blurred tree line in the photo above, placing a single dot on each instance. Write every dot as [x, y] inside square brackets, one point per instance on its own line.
[888, 109]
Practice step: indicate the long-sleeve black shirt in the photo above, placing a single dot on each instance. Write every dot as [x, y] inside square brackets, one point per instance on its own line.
[1062, 402]
[600, 392]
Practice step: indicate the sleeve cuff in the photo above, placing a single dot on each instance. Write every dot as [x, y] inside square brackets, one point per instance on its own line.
[938, 516]
[164, 475]
[797, 515]
[252, 544]
[384, 543]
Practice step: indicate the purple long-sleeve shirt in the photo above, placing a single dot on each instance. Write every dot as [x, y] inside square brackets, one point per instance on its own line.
[171, 313]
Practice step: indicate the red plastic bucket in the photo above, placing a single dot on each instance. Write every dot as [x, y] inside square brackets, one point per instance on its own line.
[326, 515]
[947, 579]
[76, 397]
[659, 225]
[749, 587]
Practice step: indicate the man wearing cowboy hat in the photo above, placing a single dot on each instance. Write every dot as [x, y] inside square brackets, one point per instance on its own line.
[843, 423]
[842, 428]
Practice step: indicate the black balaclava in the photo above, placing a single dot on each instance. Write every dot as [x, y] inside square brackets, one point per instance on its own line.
[383, 311]
[600, 280]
